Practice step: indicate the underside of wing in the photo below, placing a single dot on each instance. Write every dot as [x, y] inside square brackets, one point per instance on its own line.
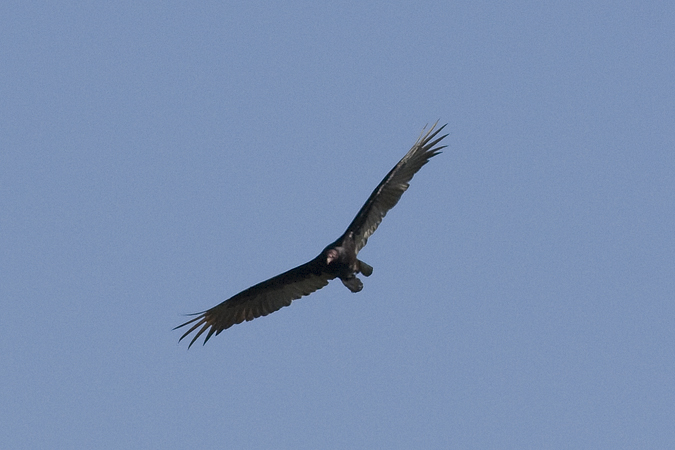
[259, 300]
[391, 188]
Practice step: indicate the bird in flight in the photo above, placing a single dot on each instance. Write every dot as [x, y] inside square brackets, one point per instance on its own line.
[337, 260]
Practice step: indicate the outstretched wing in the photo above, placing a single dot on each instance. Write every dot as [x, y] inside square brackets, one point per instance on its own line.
[259, 300]
[391, 188]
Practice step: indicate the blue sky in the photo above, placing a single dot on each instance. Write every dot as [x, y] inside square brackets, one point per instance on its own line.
[157, 158]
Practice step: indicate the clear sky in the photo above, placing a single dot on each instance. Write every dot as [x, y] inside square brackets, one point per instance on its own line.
[158, 157]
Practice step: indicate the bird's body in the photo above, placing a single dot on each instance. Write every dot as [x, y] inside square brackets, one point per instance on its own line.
[337, 260]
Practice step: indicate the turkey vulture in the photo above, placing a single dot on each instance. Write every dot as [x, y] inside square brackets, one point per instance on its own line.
[337, 260]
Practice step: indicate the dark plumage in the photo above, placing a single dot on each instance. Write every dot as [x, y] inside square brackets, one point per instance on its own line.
[337, 260]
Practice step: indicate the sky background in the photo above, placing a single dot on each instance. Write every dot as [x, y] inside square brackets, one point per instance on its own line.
[158, 157]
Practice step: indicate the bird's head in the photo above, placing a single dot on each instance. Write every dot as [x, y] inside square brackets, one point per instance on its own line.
[331, 256]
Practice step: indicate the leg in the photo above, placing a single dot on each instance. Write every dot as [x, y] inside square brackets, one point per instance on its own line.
[365, 269]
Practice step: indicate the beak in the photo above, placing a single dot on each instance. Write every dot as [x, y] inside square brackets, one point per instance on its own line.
[331, 256]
